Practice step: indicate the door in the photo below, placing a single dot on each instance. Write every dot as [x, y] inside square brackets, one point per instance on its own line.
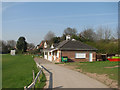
[54, 55]
[45, 55]
[90, 57]
[50, 56]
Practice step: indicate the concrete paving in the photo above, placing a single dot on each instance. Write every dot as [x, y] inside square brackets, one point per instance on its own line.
[66, 78]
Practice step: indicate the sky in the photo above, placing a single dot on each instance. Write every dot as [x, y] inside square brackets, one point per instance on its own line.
[34, 19]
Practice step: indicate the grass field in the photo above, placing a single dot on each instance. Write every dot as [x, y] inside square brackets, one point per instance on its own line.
[98, 67]
[17, 71]
[0, 71]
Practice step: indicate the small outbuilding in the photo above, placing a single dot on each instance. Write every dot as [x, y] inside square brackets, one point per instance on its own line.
[12, 52]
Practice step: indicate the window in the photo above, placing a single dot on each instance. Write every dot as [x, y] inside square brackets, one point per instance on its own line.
[55, 53]
[45, 53]
[49, 53]
[80, 55]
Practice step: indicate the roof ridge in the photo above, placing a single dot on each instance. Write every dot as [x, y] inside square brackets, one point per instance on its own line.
[85, 44]
[65, 43]
[89, 45]
[76, 44]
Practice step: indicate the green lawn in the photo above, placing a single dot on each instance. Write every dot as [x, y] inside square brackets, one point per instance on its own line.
[17, 71]
[0, 71]
[98, 67]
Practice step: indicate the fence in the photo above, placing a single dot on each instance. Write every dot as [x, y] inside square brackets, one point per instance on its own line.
[37, 77]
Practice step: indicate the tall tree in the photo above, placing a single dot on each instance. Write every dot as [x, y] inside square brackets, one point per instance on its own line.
[76, 37]
[118, 32]
[49, 35]
[89, 34]
[55, 39]
[3, 46]
[100, 33]
[63, 37]
[107, 33]
[30, 45]
[21, 44]
[70, 31]
[11, 44]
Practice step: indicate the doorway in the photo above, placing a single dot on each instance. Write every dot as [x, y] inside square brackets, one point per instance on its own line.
[90, 57]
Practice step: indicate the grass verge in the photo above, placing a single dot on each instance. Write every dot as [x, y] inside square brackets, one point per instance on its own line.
[42, 82]
[99, 67]
[17, 71]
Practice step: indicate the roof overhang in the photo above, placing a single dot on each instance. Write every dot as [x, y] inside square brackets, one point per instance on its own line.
[54, 49]
[78, 49]
[50, 50]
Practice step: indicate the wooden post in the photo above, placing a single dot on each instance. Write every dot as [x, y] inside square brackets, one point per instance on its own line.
[33, 75]
[25, 88]
[39, 79]
[34, 85]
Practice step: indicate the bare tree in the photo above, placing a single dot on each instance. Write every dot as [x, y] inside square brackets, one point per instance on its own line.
[115, 33]
[118, 32]
[89, 34]
[100, 33]
[11, 43]
[0, 43]
[49, 35]
[104, 32]
[3, 46]
[0, 46]
[107, 33]
[70, 31]
[30, 45]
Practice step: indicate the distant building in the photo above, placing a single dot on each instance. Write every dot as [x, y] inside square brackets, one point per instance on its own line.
[12, 52]
[41, 46]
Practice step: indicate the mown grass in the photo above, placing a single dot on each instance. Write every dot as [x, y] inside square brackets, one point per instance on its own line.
[98, 67]
[17, 71]
[0, 71]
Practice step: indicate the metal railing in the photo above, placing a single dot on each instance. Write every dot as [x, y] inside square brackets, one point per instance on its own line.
[32, 85]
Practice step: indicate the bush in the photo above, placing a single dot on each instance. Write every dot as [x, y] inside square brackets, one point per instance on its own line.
[105, 47]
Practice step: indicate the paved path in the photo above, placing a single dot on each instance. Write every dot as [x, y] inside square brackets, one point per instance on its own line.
[66, 78]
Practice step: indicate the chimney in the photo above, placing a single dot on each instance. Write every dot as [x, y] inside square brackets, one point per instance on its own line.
[45, 45]
[52, 46]
[68, 37]
[73, 40]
